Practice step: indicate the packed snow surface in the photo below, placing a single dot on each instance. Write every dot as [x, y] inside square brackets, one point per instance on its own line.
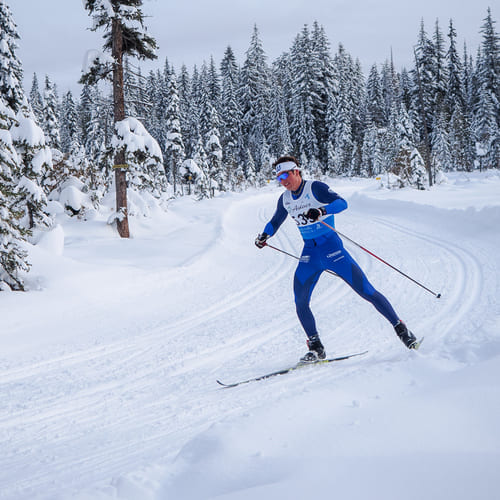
[108, 364]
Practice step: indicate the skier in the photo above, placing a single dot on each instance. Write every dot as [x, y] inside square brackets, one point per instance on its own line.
[308, 202]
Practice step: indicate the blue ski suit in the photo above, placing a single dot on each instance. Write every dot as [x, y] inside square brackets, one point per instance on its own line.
[323, 249]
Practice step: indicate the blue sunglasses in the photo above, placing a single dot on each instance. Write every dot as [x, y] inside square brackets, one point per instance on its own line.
[283, 176]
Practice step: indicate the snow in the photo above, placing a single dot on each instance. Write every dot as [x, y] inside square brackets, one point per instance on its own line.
[27, 131]
[108, 364]
[132, 135]
[94, 57]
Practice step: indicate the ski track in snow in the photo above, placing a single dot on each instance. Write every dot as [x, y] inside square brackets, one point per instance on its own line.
[137, 396]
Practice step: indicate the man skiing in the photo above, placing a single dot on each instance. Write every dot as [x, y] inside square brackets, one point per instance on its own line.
[309, 202]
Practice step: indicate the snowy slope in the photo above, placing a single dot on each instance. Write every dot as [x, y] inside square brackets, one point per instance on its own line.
[108, 365]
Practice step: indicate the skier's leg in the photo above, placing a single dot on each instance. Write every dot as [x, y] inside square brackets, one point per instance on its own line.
[305, 279]
[348, 269]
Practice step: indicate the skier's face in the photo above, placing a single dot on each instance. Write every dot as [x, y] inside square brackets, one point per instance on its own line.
[291, 181]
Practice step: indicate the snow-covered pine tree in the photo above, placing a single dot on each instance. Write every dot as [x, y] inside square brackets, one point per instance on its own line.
[36, 160]
[50, 119]
[440, 72]
[193, 125]
[13, 258]
[70, 130]
[441, 154]
[279, 137]
[254, 96]
[231, 117]
[455, 106]
[184, 91]
[341, 112]
[369, 150]
[323, 84]
[214, 153]
[214, 86]
[487, 112]
[155, 119]
[191, 176]
[375, 106]
[201, 92]
[390, 85]
[302, 104]
[11, 72]
[200, 158]
[125, 35]
[130, 89]
[36, 100]
[28, 139]
[423, 86]
[143, 156]
[174, 145]
[84, 109]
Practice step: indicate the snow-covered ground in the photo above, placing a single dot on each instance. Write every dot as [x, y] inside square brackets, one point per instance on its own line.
[108, 364]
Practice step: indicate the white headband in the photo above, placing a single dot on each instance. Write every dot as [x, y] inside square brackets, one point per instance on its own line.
[286, 166]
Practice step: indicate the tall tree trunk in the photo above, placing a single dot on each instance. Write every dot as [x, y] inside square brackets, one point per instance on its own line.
[119, 114]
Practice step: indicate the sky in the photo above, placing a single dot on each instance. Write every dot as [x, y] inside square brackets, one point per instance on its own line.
[55, 34]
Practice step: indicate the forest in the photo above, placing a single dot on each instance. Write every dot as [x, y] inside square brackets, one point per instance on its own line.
[218, 128]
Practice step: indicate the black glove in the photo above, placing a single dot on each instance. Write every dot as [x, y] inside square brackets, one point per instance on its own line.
[313, 214]
[260, 241]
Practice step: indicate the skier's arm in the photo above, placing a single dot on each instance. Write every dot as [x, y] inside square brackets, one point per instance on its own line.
[333, 202]
[278, 218]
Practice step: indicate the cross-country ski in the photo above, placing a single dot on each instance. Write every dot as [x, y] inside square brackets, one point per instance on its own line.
[291, 369]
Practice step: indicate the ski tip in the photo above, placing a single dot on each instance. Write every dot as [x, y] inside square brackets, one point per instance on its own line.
[225, 385]
[417, 344]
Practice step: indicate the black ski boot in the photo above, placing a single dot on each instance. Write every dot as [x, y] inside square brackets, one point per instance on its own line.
[406, 336]
[316, 351]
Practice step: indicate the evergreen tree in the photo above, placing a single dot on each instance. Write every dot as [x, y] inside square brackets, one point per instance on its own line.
[489, 63]
[423, 85]
[36, 100]
[442, 158]
[11, 72]
[231, 117]
[84, 108]
[454, 97]
[323, 85]
[375, 105]
[302, 104]
[50, 119]
[70, 131]
[213, 84]
[254, 96]
[130, 89]
[13, 258]
[390, 86]
[125, 35]
[214, 152]
[279, 138]
[440, 72]
[487, 112]
[184, 92]
[36, 161]
[174, 145]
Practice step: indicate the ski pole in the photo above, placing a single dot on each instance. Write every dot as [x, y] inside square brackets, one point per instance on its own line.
[437, 295]
[295, 257]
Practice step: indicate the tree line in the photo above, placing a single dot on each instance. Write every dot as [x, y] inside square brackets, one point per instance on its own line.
[219, 127]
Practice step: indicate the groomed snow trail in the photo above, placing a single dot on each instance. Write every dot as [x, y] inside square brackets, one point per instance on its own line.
[110, 367]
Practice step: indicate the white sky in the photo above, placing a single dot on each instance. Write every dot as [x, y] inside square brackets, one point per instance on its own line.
[55, 36]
